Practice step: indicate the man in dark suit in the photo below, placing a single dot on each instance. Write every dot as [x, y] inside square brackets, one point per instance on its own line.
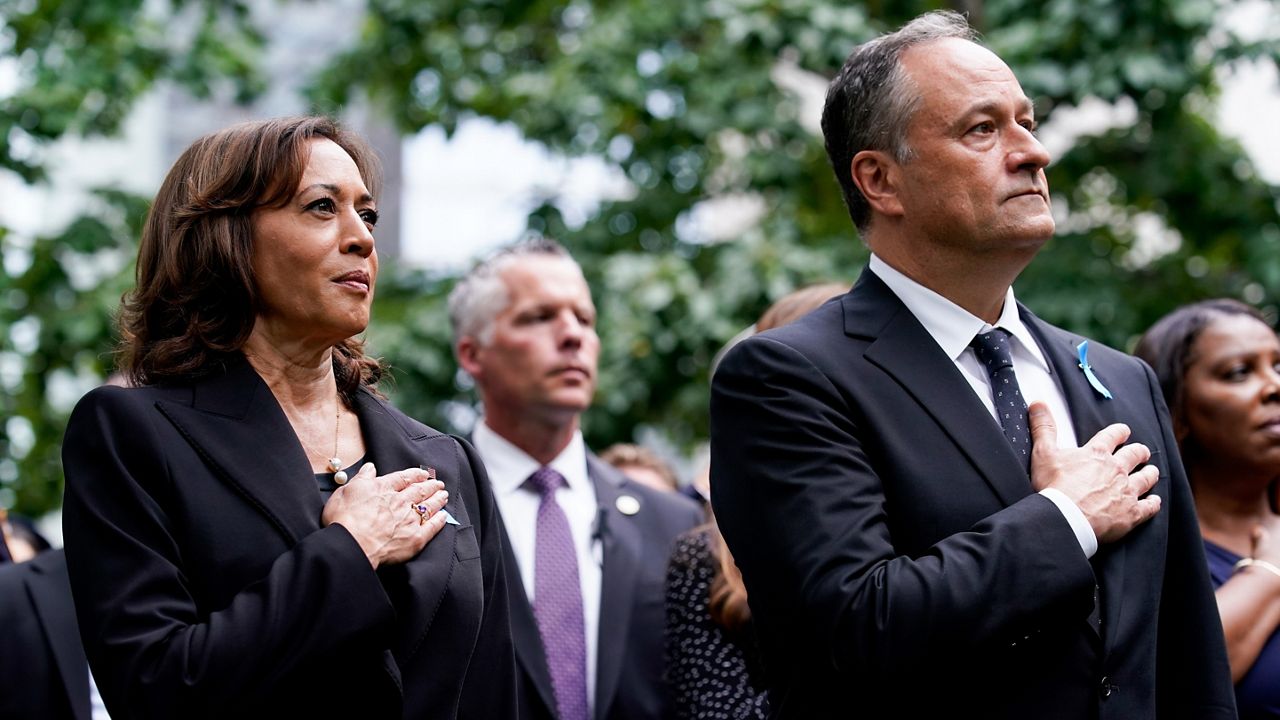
[588, 545]
[43, 671]
[911, 544]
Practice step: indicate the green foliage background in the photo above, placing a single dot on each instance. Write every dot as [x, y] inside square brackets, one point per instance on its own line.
[683, 99]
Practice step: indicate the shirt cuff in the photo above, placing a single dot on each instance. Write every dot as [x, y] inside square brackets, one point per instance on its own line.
[1076, 519]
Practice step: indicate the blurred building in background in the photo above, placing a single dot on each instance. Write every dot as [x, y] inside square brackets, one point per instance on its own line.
[301, 37]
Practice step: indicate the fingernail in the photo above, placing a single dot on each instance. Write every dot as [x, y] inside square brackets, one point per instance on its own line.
[368, 466]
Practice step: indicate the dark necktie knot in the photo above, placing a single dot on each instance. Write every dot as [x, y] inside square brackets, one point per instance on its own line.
[992, 349]
[545, 481]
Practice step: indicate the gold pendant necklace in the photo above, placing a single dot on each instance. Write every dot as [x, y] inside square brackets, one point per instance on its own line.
[335, 462]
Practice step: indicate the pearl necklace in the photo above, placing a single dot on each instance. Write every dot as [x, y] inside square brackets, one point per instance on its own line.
[335, 462]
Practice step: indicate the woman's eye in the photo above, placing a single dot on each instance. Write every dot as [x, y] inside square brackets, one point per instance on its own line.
[369, 216]
[1235, 372]
[323, 205]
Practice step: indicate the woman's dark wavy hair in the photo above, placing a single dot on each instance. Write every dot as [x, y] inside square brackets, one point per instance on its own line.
[196, 297]
[1167, 345]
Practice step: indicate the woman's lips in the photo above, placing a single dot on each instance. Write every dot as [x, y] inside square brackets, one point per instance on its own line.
[354, 280]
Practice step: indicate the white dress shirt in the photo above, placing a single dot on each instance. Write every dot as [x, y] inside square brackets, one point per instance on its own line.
[97, 709]
[953, 328]
[509, 467]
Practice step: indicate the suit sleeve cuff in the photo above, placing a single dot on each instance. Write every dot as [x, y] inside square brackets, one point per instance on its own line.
[1076, 519]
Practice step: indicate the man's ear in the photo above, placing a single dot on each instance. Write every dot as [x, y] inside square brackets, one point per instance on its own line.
[468, 352]
[876, 175]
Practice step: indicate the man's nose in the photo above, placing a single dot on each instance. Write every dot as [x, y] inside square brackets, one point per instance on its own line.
[572, 329]
[1027, 152]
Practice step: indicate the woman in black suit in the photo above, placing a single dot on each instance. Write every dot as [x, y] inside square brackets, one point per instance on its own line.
[251, 530]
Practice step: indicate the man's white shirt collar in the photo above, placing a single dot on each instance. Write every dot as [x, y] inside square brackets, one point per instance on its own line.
[953, 327]
[509, 466]
[950, 325]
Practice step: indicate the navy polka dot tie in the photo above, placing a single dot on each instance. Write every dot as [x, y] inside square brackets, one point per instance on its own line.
[992, 349]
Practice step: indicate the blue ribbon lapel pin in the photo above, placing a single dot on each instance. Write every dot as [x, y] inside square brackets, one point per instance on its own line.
[1083, 350]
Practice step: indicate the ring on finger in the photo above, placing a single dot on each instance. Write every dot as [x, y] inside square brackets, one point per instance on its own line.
[423, 510]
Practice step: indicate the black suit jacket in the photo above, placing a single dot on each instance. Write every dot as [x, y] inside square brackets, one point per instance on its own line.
[43, 673]
[205, 586]
[898, 563]
[630, 684]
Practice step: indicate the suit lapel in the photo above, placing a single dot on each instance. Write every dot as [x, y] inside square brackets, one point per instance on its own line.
[233, 414]
[530, 652]
[524, 631]
[51, 595]
[1090, 412]
[394, 446]
[904, 350]
[621, 542]
[620, 549]
[231, 418]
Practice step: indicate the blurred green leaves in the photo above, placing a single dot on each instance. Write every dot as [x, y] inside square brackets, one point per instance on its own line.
[695, 104]
[77, 68]
[687, 101]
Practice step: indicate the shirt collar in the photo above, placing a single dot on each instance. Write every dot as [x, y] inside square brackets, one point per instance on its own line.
[950, 325]
[508, 466]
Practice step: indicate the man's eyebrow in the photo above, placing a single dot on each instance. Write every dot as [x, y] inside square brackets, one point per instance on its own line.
[994, 107]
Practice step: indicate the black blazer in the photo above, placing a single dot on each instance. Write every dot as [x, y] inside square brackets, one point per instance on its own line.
[206, 587]
[896, 560]
[43, 673]
[630, 683]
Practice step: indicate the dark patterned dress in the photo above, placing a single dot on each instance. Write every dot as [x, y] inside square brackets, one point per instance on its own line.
[713, 675]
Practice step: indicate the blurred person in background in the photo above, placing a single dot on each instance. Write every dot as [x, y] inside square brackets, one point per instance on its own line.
[642, 465]
[712, 660]
[6, 537]
[252, 531]
[1218, 362]
[587, 546]
[19, 539]
[43, 672]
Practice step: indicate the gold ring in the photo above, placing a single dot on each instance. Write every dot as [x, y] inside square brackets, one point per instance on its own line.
[424, 512]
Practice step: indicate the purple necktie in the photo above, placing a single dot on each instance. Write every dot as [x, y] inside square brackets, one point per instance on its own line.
[557, 599]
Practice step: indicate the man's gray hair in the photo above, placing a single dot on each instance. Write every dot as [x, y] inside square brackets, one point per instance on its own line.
[481, 295]
[871, 101]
